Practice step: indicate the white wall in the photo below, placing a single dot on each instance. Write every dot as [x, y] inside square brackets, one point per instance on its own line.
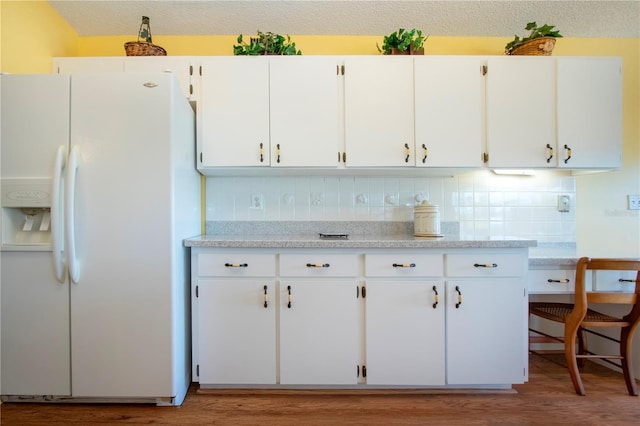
[486, 205]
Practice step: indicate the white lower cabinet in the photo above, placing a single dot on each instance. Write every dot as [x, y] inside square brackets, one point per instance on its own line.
[342, 317]
[237, 331]
[486, 315]
[318, 332]
[405, 342]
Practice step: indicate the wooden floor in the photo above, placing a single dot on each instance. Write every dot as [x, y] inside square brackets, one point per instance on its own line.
[547, 399]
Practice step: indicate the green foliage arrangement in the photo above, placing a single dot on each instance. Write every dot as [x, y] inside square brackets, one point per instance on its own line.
[266, 44]
[402, 40]
[536, 32]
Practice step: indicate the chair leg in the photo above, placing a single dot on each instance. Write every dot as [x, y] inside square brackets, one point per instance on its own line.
[627, 366]
[582, 346]
[570, 356]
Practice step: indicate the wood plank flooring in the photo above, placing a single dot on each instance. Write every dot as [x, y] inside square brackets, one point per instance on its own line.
[547, 399]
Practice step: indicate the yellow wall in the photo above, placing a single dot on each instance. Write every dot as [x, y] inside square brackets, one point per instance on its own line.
[32, 33]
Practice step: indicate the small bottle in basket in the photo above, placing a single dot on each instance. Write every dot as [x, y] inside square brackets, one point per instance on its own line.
[144, 34]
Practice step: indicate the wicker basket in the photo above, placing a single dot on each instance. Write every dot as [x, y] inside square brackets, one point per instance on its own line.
[541, 46]
[139, 48]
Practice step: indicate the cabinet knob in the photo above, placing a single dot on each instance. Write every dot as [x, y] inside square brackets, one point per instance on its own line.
[317, 265]
[435, 297]
[622, 280]
[236, 265]
[459, 297]
[568, 149]
[404, 265]
[266, 298]
[550, 152]
[485, 265]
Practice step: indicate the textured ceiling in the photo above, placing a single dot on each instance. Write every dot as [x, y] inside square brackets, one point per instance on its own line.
[353, 17]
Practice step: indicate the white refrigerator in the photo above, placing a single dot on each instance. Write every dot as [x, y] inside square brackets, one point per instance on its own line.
[98, 190]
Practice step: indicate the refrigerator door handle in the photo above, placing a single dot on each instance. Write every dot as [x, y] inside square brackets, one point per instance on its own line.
[56, 219]
[69, 209]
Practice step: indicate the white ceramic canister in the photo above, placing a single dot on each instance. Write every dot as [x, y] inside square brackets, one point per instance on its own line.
[426, 220]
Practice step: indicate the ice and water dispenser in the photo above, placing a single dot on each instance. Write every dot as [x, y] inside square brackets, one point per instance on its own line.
[26, 214]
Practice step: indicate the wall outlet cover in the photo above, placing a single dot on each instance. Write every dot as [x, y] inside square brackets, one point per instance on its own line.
[564, 203]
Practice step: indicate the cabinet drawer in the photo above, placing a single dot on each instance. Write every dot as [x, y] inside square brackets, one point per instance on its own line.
[403, 265]
[318, 265]
[485, 265]
[236, 265]
[623, 281]
[553, 281]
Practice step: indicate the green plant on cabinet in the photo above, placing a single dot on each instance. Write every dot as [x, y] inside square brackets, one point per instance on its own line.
[403, 42]
[535, 32]
[266, 44]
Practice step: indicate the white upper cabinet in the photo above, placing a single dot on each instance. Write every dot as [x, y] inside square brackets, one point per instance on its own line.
[305, 113]
[521, 112]
[88, 64]
[379, 116]
[233, 113]
[449, 111]
[589, 112]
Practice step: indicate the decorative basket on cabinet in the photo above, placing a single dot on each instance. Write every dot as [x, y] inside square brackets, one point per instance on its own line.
[540, 42]
[144, 46]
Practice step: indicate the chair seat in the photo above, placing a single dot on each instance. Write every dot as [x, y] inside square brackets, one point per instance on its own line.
[559, 312]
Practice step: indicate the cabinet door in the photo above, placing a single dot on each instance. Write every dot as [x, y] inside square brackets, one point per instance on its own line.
[379, 115]
[233, 115]
[405, 333]
[237, 331]
[486, 333]
[318, 332]
[521, 113]
[88, 64]
[589, 112]
[304, 111]
[180, 66]
[449, 111]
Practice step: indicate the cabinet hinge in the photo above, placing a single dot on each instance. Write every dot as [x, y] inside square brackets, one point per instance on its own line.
[484, 69]
[357, 292]
[196, 291]
[198, 370]
[191, 89]
[337, 69]
[200, 70]
[364, 371]
[364, 292]
[344, 157]
[201, 157]
[485, 157]
[357, 371]
[190, 69]
[342, 69]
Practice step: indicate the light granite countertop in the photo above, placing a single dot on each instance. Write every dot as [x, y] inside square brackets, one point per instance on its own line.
[354, 241]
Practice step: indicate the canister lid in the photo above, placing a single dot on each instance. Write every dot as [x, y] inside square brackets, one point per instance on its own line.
[426, 206]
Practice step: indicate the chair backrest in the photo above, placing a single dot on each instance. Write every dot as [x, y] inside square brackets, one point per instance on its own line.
[583, 298]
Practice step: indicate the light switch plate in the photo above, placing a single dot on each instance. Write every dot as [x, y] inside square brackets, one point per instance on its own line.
[564, 203]
[633, 202]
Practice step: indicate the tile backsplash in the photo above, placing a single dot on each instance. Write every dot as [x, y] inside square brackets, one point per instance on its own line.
[485, 205]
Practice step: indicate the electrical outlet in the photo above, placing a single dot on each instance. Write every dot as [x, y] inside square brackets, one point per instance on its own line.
[634, 202]
[564, 203]
[257, 202]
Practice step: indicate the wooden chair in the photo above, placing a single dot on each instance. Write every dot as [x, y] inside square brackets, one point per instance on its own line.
[580, 317]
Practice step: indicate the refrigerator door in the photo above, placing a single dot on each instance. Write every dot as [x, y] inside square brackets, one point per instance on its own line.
[121, 298]
[35, 305]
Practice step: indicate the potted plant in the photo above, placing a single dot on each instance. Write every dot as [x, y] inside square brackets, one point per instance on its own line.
[266, 44]
[403, 42]
[540, 41]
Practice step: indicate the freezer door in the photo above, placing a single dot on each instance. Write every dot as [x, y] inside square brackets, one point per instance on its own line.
[35, 327]
[35, 122]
